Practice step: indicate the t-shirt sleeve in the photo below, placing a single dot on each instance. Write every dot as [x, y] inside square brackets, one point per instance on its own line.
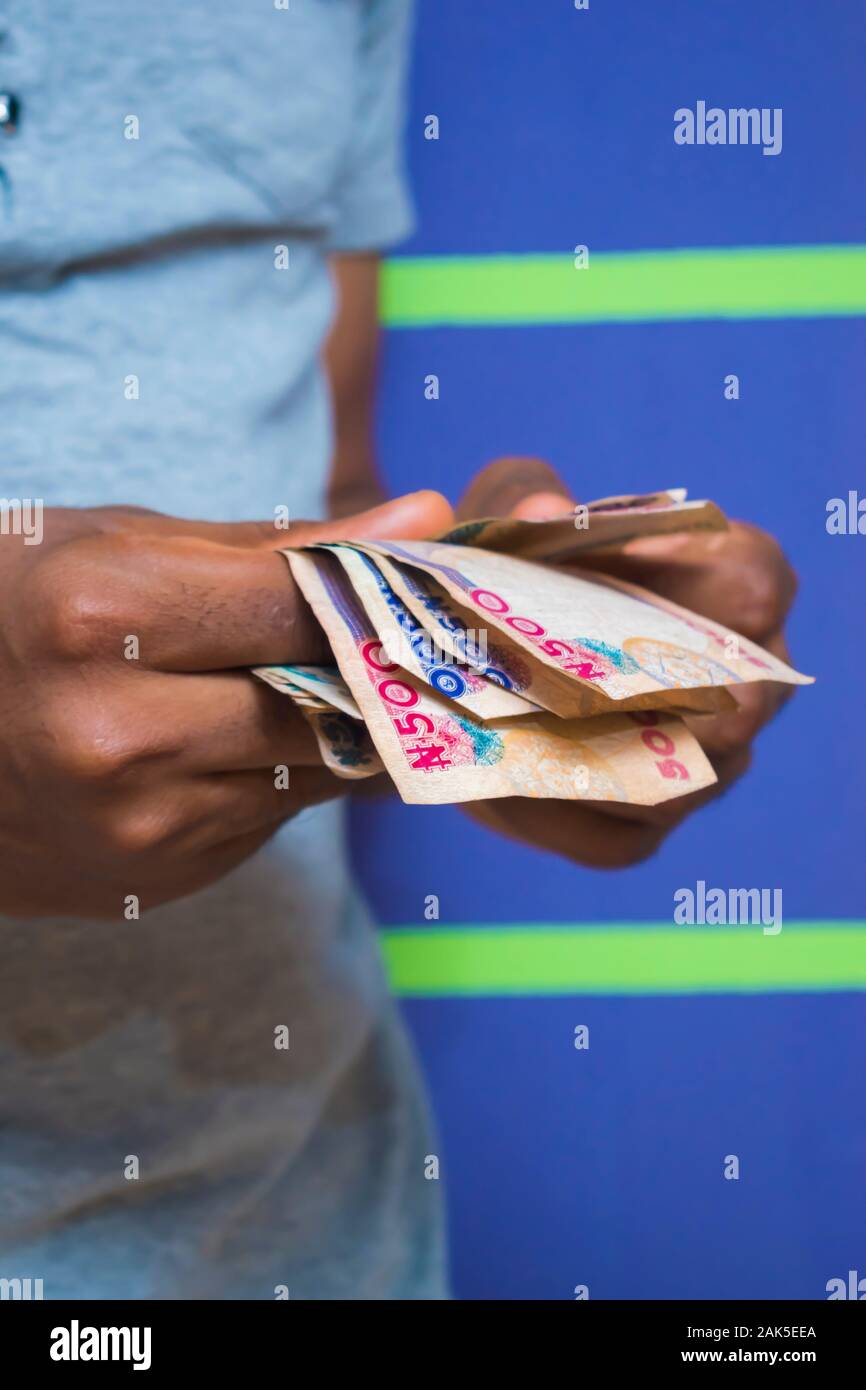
[373, 207]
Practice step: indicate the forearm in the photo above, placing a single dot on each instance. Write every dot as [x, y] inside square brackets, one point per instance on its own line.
[351, 363]
[358, 496]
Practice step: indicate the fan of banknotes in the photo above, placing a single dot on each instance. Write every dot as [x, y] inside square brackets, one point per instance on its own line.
[486, 662]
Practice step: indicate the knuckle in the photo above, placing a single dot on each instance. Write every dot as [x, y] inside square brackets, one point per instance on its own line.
[730, 734]
[90, 746]
[763, 584]
[727, 737]
[140, 830]
[725, 743]
[73, 616]
[735, 744]
[759, 599]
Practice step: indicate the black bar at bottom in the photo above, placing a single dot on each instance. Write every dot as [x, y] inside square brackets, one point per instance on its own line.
[256, 1338]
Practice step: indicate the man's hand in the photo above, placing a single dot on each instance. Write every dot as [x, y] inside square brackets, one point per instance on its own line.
[739, 577]
[136, 754]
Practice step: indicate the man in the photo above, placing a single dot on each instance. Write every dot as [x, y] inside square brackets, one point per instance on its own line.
[204, 1086]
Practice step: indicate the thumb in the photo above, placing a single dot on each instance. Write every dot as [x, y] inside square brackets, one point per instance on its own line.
[526, 488]
[414, 516]
[542, 506]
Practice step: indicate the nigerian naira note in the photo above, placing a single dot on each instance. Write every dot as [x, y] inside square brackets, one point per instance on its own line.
[436, 753]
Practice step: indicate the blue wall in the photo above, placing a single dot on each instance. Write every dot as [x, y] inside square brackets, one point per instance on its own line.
[555, 129]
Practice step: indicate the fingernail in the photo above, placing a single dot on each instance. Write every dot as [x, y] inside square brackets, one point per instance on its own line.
[656, 547]
[542, 506]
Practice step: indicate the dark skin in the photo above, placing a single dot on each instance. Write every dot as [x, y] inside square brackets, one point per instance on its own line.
[739, 578]
[155, 776]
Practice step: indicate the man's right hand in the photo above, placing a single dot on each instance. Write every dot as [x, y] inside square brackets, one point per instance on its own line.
[137, 756]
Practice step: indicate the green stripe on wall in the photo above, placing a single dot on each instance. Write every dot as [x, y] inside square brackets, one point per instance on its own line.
[805, 957]
[767, 282]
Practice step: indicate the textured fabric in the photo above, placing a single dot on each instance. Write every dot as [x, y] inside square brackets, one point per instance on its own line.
[153, 352]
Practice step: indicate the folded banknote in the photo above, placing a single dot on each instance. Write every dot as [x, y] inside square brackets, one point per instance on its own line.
[473, 665]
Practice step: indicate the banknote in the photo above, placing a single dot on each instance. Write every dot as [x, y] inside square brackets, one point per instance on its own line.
[473, 665]
[344, 741]
[468, 637]
[406, 640]
[591, 631]
[610, 521]
[323, 682]
[435, 752]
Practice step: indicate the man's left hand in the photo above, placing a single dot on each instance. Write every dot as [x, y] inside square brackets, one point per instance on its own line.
[739, 578]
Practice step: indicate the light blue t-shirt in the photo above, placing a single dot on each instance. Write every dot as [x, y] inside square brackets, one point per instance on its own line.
[168, 160]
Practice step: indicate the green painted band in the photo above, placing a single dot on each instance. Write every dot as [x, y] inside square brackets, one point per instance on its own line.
[804, 957]
[765, 282]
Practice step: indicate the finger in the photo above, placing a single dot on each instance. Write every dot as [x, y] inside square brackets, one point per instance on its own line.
[605, 835]
[414, 515]
[738, 577]
[172, 604]
[503, 484]
[728, 766]
[220, 810]
[757, 704]
[541, 506]
[195, 873]
[196, 604]
[215, 825]
[220, 722]
[569, 829]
